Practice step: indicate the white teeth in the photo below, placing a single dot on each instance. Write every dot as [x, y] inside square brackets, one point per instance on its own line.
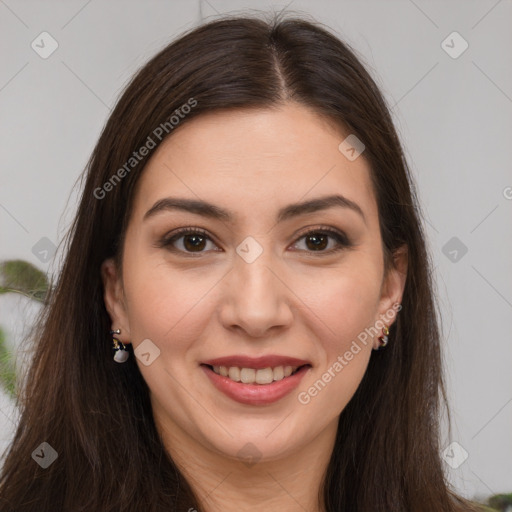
[278, 373]
[264, 376]
[255, 376]
[248, 375]
[234, 374]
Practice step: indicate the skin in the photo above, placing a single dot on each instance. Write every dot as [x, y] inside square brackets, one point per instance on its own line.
[292, 300]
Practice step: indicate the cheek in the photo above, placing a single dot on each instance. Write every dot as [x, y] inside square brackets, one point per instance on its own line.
[345, 304]
[165, 305]
[345, 307]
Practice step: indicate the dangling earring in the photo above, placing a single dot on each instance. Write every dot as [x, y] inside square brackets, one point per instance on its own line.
[121, 353]
[384, 338]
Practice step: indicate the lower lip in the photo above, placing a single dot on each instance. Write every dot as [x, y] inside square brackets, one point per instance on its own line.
[256, 394]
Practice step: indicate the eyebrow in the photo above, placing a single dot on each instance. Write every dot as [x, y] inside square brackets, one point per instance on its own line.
[212, 211]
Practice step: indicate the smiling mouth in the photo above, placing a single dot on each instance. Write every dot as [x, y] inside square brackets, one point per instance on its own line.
[260, 376]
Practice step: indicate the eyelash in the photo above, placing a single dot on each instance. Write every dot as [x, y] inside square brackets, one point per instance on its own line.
[341, 239]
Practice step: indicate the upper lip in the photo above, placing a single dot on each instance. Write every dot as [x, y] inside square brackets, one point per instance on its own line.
[271, 361]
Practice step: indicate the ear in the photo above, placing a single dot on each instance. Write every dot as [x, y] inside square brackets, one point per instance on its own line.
[392, 289]
[114, 299]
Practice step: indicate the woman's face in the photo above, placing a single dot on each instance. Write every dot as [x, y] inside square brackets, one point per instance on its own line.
[273, 267]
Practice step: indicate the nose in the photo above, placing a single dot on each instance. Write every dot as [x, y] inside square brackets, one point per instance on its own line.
[255, 299]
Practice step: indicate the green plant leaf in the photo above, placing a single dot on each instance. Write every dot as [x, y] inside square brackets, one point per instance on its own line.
[7, 367]
[501, 501]
[22, 277]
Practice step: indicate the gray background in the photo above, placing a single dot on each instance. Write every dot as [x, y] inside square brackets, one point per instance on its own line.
[453, 114]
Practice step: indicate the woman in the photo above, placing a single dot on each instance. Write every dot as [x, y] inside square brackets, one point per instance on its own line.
[245, 318]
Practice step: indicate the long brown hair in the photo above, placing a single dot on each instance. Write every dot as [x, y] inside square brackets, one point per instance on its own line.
[96, 414]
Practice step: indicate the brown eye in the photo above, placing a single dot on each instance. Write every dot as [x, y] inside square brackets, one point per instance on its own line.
[194, 242]
[317, 242]
[324, 241]
[187, 240]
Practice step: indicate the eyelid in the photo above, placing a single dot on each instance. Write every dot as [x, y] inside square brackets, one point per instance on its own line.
[167, 240]
[342, 240]
[321, 229]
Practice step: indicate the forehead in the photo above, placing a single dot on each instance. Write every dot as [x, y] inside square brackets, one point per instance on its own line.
[244, 159]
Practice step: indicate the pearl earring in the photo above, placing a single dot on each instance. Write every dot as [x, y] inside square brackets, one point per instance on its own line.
[121, 353]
